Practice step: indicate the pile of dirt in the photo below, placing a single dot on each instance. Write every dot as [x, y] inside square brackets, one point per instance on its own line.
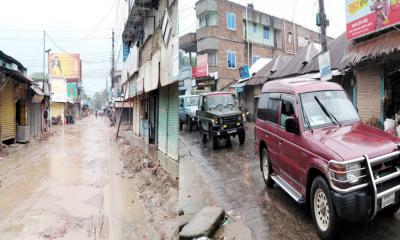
[157, 190]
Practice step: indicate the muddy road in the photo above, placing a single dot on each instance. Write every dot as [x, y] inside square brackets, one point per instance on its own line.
[70, 188]
[234, 180]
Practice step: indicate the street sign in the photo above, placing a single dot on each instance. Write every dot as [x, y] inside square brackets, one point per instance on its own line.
[325, 66]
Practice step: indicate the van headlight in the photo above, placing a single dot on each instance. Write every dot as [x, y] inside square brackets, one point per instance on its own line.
[353, 172]
[344, 175]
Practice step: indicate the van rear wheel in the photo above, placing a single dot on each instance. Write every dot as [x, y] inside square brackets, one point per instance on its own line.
[322, 209]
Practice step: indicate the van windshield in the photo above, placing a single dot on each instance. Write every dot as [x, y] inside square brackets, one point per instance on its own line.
[220, 101]
[335, 103]
[191, 101]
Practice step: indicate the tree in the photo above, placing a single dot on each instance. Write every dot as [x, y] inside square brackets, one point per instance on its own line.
[99, 100]
[38, 76]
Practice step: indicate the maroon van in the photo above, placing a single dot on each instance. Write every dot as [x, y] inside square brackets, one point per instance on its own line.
[312, 143]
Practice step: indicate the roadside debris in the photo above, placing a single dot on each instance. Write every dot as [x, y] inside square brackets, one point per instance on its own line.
[204, 223]
[158, 191]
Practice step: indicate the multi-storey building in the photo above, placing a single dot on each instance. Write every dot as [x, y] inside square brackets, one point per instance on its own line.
[233, 35]
[150, 72]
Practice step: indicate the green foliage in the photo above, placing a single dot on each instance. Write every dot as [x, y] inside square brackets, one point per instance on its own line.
[99, 100]
[184, 59]
[37, 76]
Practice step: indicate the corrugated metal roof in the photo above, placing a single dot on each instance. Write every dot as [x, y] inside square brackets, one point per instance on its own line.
[371, 49]
[16, 75]
[337, 49]
[297, 63]
[261, 76]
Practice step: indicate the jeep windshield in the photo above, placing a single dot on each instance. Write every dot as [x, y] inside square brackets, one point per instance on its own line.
[220, 101]
[320, 108]
[191, 101]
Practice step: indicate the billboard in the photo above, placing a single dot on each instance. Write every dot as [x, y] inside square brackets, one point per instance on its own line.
[64, 65]
[202, 67]
[367, 16]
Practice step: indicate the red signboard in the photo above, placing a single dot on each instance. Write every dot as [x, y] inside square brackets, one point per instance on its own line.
[202, 67]
[367, 16]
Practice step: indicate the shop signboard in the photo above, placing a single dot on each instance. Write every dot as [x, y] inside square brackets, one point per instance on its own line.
[58, 89]
[202, 67]
[368, 16]
[72, 90]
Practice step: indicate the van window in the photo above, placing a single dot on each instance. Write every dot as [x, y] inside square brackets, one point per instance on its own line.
[262, 106]
[287, 108]
[272, 110]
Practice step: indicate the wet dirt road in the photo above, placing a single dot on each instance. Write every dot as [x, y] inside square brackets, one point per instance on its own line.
[70, 188]
[235, 181]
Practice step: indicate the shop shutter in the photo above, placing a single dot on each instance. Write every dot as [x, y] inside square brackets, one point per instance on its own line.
[37, 118]
[7, 112]
[163, 120]
[173, 119]
[31, 119]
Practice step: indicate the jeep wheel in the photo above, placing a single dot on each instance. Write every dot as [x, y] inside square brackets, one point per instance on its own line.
[213, 138]
[242, 137]
[266, 168]
[189, 124]
[322, 209]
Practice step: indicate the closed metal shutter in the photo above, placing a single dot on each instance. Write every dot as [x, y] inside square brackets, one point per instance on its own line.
[7, 112]
[163, 120]
[35, 119]
[173, 119]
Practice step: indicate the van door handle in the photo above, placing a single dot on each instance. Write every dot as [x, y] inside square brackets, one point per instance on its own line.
[280, 142]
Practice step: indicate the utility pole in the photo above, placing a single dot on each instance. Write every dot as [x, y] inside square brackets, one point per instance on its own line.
[247, 34]
[44, 58]
[112, 60]
[323, 23]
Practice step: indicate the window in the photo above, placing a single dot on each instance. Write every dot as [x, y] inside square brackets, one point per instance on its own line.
[290, 37]
[255, 58]
[207, 19]
[266, 33]
[273, 108]
[231, 60]
[335, 102]
[254, 27]
[231, 21]
[287, 108]
[262, 106]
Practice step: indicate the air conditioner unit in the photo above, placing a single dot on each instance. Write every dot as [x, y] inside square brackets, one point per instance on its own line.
[23, 133]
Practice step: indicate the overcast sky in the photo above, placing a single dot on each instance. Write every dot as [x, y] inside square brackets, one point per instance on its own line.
[300, 11]
[84, 26]
[77, 26]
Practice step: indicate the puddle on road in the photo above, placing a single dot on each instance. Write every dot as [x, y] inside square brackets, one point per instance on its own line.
[69, 188]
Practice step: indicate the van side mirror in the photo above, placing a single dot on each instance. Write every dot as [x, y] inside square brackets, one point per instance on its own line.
[202, 108]
[291, 125]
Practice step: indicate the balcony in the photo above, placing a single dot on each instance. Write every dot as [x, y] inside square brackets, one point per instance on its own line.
[141, 20]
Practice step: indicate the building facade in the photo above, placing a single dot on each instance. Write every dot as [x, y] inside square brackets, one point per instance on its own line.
[150, 72]
[233, 36]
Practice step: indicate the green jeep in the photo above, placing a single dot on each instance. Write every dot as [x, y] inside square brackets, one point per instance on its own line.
[219, 118]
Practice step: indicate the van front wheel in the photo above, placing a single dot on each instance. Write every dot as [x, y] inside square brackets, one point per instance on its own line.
[322, 209]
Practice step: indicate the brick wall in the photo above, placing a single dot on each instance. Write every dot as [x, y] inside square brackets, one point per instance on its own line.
[368, 93]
